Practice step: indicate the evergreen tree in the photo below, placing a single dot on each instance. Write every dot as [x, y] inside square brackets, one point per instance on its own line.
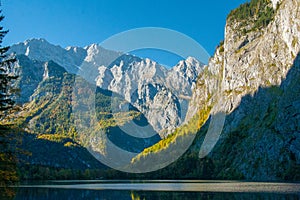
[8, 173]
[6, 75]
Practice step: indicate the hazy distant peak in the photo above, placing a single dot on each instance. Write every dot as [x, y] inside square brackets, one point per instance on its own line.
[192, 60]
[35, 40]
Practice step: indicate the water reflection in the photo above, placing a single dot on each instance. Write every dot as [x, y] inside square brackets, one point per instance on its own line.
[7, 193]
[206, 196]
[157, 189]
[73, 194]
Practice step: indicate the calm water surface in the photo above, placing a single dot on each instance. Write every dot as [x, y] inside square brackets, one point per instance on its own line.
[162, 189]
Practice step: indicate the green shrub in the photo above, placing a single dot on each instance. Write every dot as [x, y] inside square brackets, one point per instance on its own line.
[260, 12]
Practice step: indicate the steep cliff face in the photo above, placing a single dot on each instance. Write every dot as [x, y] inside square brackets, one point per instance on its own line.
[251, 57]
[262, 57]
[253, 79]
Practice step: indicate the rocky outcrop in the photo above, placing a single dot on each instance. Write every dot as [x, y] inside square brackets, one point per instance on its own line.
[258, 58]
[161, 95]
[253, 78]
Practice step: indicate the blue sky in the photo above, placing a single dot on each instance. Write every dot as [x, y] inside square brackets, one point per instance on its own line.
[83, 22]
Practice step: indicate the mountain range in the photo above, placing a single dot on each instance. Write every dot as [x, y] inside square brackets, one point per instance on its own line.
[131, 94]
[252, 85]
[240, 114]
[160, 94]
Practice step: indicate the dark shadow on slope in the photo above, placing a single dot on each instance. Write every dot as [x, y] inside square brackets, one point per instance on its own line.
[8, 162]
[260, 139]
[123, 140]
[108, 106]
[59, 152]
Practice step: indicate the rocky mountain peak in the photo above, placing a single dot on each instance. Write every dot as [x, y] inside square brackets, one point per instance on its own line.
[152, 88]
[42, 50]
[188, 68]
[97, 55]
[193, 61]
[156, 91]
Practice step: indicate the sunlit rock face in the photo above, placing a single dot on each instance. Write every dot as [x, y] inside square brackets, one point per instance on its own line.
[254, 78]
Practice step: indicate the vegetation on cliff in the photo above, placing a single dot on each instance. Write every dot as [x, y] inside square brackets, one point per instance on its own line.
[256, 14]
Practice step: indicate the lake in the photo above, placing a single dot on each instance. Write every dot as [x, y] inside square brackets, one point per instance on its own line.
[157, 189]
